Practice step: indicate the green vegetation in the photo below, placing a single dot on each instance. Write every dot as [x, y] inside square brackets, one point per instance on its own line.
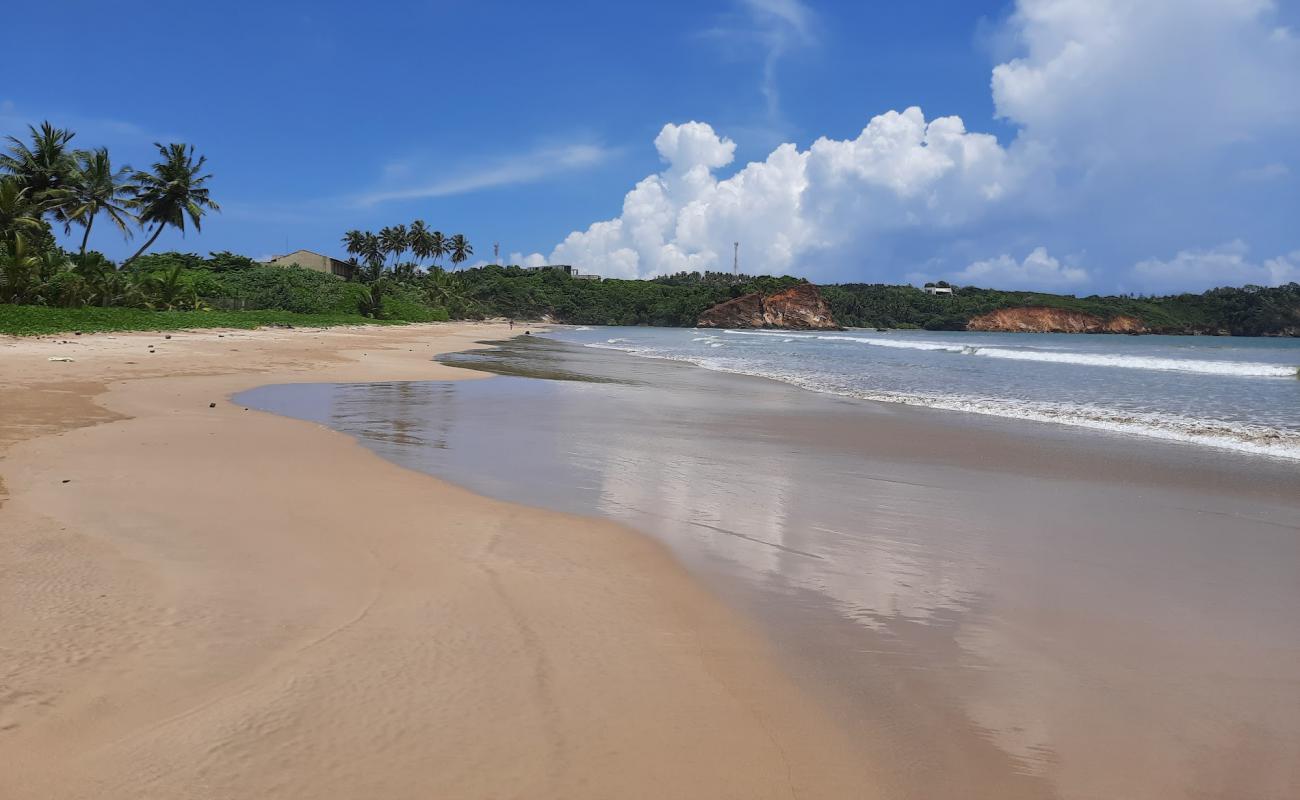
[34, 320]
[1246, 311]
[46, 184]
[671, 301]
[677, 300]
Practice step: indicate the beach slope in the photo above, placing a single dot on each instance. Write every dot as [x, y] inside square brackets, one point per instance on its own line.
[205, 601]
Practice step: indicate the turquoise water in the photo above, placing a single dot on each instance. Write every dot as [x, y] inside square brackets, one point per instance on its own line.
[1237, 393]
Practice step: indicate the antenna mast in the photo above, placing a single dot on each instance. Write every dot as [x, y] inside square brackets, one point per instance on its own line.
[735, 261]
[496, 253]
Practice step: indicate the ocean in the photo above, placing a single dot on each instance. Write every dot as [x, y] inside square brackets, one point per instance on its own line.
[1236, 393]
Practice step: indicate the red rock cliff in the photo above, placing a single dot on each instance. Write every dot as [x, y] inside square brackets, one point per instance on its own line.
[1052, 320]
[800, 307]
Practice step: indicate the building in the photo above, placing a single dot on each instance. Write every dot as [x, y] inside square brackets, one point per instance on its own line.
[567, 269]
[937, 290]
[314, 262]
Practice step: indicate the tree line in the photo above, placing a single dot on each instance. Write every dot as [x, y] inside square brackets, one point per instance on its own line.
[371, 251]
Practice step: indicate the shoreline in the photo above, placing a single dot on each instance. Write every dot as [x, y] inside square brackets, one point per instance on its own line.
[220, 602]
[1222, 435]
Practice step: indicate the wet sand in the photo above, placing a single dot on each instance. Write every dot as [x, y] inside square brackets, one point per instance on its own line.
[991, 608]
[202, 601]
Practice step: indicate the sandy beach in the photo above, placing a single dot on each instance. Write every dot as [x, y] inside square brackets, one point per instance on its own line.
[205, 601]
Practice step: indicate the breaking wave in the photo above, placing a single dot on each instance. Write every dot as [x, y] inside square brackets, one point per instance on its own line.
[1247, 369]
[1241, 437]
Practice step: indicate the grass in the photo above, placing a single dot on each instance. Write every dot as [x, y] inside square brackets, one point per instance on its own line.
[38, 320]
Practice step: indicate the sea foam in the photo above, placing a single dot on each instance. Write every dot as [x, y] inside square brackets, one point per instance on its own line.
[1246, 369]
[1241, 437]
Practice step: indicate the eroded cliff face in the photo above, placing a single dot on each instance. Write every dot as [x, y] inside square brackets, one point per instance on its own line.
[1052, 320]
[800, 307]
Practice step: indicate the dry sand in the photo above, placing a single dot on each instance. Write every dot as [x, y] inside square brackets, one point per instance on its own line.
[204, 602]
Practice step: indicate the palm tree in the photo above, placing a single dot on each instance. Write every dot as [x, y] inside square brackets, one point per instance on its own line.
[372, 251]
[43, 167]
[353, 242]
[18, 213]
[112, 287]
[371, 301]
[420, 238]
[395, 241]
[168, 290]
[437, 246]
[173, 191]
[459, 248]
[448, 291]
[95, 188]
[19, 273]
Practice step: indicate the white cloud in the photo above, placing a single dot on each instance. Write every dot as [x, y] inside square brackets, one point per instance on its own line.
[521, 260]
[1274, 171]
[509, 170]
[1226, 265]
[901, 172]
[117, 134]
[1113, 79]
[1038, 270]
[1104, 93]
[774, 28]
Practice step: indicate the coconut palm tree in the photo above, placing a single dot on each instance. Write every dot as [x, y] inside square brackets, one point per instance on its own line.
[19, 273]
[18, 213]
[459, 248]
[354, 241]
[372, 251]
[447, 290]
[371, 301]
[171, 192]
[418, 237]
[94, 188]
[437, 246]
[43, 167]
[395, 240]
[168, 290]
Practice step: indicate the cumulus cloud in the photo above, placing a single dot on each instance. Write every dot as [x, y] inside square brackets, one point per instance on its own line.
[1112, 79]
[1226, 265]
[900, 172]
[1101, 92]
[532, 260]
[1038, 270]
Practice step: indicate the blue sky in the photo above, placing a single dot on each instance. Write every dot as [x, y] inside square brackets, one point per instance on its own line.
[1102, 145]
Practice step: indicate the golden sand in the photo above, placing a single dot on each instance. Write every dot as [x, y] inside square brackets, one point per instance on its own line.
[210, 602]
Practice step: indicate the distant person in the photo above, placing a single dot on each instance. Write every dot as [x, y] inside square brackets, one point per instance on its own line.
[512, 324]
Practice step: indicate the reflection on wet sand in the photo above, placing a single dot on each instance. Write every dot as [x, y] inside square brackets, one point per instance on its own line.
[996, 610]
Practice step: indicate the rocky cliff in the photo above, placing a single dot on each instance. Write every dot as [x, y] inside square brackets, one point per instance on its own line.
[1052, 320]
[800, 307]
